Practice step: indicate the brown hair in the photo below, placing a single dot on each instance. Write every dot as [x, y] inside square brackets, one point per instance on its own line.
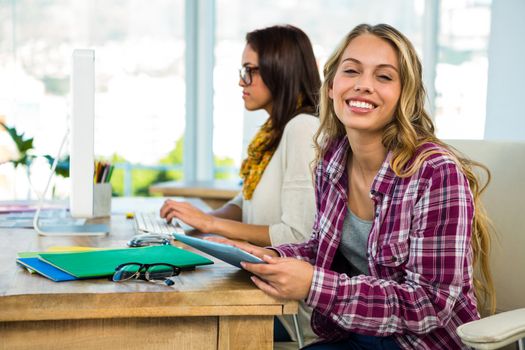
[410, 128]
[288, 68]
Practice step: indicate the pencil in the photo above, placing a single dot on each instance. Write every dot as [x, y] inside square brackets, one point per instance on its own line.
[110, 173]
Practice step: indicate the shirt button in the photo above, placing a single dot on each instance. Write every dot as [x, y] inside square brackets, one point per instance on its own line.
[394, 258]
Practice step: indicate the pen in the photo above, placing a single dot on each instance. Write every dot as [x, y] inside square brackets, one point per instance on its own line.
[110, 172]
[95, 176]
[100, 170]
[105, 172]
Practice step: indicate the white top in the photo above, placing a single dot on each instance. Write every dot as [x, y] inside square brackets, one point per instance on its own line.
[284, 198]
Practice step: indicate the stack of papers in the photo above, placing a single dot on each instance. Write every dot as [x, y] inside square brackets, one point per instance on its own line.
[80, 264]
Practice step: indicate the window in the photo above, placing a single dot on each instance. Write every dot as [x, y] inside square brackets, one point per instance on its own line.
[140, 87]
[141, 67]
[461, 71]
[325, 21]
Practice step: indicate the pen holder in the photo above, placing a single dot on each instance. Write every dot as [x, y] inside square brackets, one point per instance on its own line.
[102, 199]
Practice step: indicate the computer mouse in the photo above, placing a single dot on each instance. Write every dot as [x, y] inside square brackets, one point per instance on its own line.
[147, 240]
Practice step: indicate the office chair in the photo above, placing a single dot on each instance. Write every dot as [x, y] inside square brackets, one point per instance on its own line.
[504, 201]
[496, 331]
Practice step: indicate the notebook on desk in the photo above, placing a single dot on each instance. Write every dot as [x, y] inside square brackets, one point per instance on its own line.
[46, 270]
[102, 263]
[31, 261]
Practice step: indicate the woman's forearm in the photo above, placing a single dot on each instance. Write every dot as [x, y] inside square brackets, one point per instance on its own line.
[228, 211]
[227, 223]
[255, 234]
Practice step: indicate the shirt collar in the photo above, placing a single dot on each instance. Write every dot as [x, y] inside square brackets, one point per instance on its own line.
[336, 159]
[336, 166]
[385, 178]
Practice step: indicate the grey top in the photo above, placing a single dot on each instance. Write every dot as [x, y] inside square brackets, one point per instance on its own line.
[354, 243]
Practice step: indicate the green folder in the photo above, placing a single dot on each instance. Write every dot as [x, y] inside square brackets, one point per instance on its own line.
[102, 263]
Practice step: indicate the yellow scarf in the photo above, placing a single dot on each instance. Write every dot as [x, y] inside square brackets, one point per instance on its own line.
[258, 158]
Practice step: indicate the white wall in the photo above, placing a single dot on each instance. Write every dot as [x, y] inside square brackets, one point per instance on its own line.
[506, 80]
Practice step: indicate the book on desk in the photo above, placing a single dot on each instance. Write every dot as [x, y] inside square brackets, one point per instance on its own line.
[67, 266]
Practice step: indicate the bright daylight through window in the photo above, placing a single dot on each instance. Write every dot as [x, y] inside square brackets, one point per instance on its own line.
[140, 101]
[140, 89]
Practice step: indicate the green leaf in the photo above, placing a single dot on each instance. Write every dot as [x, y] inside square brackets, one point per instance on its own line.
[62, 168]
[22, 144]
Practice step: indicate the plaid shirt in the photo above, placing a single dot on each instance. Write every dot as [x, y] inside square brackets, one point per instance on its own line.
[419, 255]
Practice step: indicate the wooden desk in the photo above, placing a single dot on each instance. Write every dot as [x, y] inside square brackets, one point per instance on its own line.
[214, 193]
[213, 307]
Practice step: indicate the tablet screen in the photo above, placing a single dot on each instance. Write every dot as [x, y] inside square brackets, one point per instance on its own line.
[227, 253]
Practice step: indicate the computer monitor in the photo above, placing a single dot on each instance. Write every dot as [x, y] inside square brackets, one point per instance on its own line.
[82, 132]
[82, 159]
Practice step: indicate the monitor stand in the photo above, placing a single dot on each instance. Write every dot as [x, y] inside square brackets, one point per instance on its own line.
[66, 229]
[73, 230]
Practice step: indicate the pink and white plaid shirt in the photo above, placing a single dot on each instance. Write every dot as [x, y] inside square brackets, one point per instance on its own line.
[419, 255]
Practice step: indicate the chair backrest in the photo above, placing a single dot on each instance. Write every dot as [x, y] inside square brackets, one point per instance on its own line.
[505, 204]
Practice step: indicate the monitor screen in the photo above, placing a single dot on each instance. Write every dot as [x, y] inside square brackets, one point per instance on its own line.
[82, 133]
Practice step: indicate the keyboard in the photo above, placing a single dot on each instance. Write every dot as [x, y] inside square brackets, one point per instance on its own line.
[152, 223]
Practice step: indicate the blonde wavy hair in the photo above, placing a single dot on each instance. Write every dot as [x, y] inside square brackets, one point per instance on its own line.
[411, 127]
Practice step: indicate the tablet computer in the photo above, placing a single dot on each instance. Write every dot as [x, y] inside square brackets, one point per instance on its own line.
[227, 253]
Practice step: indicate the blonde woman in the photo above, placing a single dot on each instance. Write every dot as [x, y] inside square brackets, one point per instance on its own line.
[399, 224]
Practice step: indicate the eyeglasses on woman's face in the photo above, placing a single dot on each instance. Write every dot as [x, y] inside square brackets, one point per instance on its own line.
[245, 73]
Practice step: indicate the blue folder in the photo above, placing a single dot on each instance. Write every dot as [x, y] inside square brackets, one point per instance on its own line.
[45, 269]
